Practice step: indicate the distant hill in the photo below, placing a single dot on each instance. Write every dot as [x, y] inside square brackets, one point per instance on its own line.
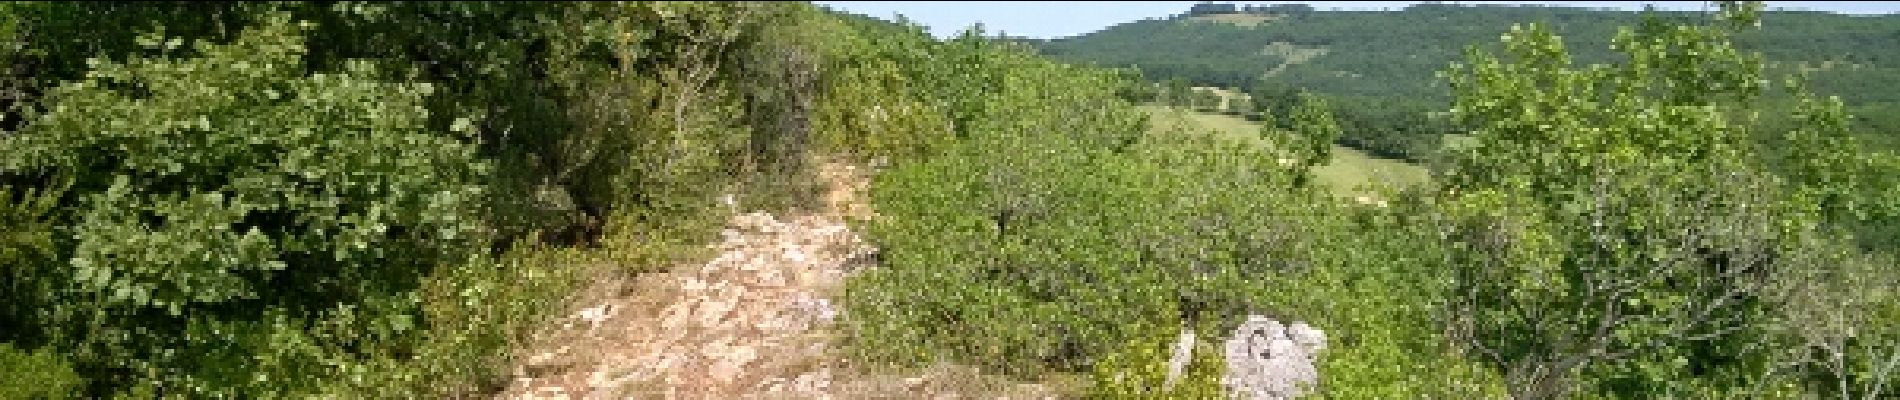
[1394, 55]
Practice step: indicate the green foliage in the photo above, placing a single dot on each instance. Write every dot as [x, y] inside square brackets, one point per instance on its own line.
[1396, 128]
[27, 256]
[268, 208]
[1023, 250]
[995, 238]
[208, 186]
[1392, 53]
[877, 102]
[470, 317]
[1376, 287]
[996, 253]
[27, 249]
[1178, 93]
[1139, 370]
[240, 167]
[1313, 123]
[51, 41]
[36, 375]
[1241, 105]
[1205, 101]
[1616, 230]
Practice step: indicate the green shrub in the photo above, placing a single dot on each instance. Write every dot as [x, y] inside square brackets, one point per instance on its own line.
[28, 252]
[469, 318]
[1139, 369]
[1033, 243]
[1377, 288]
[1617, 232]
[38, 374]
[196, 169]
[226, 200]
[1055, 236]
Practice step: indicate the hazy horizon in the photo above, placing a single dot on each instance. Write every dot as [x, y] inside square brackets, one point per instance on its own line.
[1054, 19]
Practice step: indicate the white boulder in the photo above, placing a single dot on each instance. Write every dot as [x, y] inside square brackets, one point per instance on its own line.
[1268, 360]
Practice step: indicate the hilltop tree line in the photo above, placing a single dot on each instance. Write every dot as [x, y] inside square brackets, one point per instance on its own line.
[1211, 8]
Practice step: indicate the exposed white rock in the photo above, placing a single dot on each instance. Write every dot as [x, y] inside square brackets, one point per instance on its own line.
[793, 255]
[1268, 360]
[1307, 336]
[596, 314]
[1183, 353]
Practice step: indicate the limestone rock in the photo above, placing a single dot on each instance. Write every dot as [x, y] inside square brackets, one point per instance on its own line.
[1268, 360]
[1183, 354]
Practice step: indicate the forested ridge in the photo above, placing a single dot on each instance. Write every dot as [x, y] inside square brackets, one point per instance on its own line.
[394, 199]
[1379, 66]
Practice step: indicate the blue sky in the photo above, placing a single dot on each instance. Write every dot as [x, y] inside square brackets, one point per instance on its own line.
[1047, 19]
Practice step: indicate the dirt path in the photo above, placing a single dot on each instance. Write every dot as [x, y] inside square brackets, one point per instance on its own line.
[754, 322]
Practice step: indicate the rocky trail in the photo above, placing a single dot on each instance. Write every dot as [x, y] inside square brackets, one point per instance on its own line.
[754, 322]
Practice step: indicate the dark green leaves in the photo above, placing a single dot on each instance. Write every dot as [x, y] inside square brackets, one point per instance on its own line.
[226, 177]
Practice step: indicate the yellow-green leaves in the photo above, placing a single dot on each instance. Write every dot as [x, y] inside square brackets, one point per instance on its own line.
[1623, 217]
[37, 374]
[1315, 130]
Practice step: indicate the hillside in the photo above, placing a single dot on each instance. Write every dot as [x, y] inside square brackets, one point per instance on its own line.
[1390, 58]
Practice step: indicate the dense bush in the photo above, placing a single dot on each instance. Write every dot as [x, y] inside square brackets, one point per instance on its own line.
[29, 215]
[215, 187]
[41, 374]
[992, 231]
[880, 101]
[1618, 233]
[27, 245]
[1139, 369]
[342, 198]
[1038, 245]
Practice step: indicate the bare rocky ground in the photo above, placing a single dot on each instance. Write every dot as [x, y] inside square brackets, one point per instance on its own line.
[754, 322]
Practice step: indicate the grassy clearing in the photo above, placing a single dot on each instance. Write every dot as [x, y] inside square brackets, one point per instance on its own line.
[1239, 19]
[1348, 174]
[1294, 55]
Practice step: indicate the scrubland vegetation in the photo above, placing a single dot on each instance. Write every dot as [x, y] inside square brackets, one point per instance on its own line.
[266, 200]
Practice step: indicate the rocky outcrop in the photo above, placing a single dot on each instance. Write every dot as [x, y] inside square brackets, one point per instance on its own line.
[1183, 354]
[1268, 360]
